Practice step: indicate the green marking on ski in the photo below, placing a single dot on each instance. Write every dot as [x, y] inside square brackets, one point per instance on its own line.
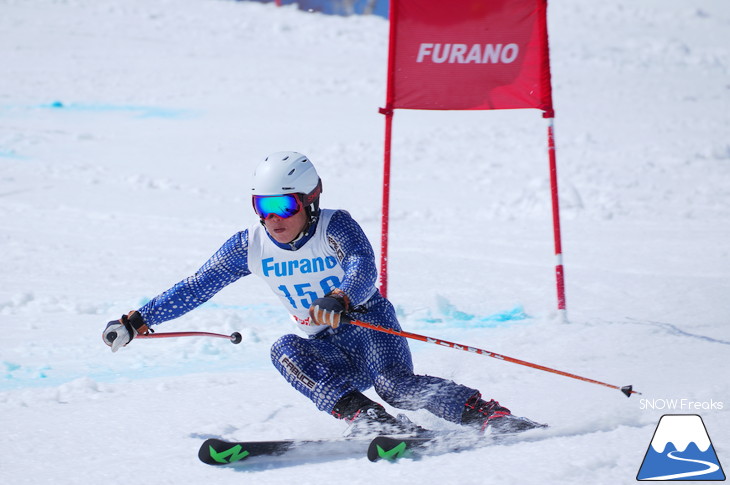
[234, 453]
[394, 453]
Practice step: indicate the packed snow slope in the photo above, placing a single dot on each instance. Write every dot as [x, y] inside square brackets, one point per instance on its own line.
[128, 133]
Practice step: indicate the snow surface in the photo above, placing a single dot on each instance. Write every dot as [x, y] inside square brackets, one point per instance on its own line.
[128, 133]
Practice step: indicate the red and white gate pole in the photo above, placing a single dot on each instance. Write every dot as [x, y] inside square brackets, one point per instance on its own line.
[559, 271]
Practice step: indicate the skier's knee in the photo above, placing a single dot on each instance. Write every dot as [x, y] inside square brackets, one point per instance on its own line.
[284, 345]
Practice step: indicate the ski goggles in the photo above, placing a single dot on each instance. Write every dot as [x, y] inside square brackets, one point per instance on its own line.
[283, 206]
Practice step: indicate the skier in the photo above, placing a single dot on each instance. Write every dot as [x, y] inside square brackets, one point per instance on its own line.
[321, 265]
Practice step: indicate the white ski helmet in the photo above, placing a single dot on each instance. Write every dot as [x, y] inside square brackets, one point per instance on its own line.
[289, 173]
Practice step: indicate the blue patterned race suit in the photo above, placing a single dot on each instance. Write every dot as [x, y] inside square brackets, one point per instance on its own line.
[327, 364]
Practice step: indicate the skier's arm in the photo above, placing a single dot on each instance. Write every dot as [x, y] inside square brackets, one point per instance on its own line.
[355, 254]
[356, 257]
[227, 265]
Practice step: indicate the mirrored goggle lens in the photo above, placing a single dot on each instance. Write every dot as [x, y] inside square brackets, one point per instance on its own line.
[283, 206]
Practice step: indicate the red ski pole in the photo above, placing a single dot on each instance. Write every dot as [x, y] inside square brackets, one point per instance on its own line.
[235, 337]
[627, 390]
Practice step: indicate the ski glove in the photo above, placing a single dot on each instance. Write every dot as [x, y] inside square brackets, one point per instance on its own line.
[329, 310]
[119, 333]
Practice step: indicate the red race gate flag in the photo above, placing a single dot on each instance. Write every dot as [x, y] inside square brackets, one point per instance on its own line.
[469, 55]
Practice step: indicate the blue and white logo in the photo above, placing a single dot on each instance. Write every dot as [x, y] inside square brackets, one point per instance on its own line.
[681, 450]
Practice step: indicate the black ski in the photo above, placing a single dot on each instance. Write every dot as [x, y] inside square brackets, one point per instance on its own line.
[219, 452]
[392, 448]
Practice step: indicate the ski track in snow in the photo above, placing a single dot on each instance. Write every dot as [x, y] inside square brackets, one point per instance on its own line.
[675, 330]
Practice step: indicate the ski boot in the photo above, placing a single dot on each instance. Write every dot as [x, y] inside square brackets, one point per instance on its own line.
[365, 417]
[481, 414]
